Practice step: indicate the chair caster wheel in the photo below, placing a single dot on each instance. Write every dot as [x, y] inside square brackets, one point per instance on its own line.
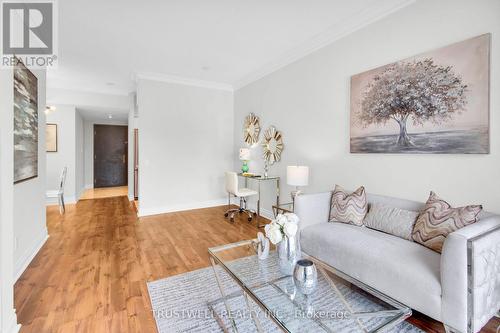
[240, 211]
[226, 215]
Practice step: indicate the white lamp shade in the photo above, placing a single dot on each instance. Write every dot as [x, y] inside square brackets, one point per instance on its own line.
[297, 175]
[244, 154]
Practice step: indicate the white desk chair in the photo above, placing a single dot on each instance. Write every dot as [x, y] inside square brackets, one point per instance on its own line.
[231, 179]
[59, 194]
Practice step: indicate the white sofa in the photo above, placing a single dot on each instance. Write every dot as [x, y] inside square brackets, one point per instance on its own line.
[432, 283]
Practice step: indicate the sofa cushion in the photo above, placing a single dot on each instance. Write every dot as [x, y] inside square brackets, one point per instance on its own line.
[403, 270]
[439, 219]
[348, 207]
[392, 220]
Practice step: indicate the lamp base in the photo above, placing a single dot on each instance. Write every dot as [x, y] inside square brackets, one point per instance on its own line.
[295, 193]
[244, 167]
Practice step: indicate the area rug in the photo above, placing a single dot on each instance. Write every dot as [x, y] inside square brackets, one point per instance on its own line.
[181, 303]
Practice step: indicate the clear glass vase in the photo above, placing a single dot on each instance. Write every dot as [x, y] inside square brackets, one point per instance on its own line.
[288, 253]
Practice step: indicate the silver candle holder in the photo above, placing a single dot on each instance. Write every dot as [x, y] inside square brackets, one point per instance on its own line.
[305, 276]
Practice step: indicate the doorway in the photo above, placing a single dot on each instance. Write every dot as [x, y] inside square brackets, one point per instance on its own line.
[110, 155]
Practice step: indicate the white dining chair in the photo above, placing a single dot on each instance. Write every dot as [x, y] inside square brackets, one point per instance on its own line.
[59, 193]
[232, 188]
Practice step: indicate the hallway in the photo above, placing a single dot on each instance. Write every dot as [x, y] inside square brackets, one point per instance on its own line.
[104, 192]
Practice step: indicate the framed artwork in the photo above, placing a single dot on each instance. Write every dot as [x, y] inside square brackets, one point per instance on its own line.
[25, 124]
[51, 138]
[436, 102]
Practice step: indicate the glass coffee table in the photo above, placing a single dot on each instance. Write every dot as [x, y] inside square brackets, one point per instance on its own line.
[338, 304]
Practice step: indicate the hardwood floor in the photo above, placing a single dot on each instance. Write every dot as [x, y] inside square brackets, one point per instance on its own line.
[91, 274]
[104, 192]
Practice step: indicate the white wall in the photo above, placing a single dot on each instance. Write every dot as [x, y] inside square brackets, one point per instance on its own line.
[309, 102]
[8, 320]
[88, 147]
[65, 118]
[186, 144]
[30, 231]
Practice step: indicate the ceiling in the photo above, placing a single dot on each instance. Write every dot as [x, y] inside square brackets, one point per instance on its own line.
[103, 114]
[103, 45]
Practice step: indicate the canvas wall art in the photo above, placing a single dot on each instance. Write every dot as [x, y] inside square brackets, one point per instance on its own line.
[51, 138]
[436, 102]
[25, 124]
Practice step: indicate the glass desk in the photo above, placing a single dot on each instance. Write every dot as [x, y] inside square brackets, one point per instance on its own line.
[259, 179]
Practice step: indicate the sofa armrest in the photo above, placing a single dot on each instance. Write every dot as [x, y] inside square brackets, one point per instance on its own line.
[312, 208]
[470, 275]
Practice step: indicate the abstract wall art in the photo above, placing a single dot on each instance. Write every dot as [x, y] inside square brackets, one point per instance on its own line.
[25, 124]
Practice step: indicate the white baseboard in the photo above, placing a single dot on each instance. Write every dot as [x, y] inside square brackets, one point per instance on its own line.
[22, 263]
[10, 323]
[15, 327]
[197, 205]
[180, 207]
[267, 214]
[79, 194]
[253, 206]
[67, 199]
[263, 212]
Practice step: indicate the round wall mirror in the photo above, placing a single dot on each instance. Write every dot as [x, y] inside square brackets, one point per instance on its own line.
[273, 145]
[251, 129]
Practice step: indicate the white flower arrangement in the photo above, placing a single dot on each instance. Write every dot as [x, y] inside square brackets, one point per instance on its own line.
[284, 225]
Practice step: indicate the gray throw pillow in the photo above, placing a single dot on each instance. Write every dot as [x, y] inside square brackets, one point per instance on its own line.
[391, 220]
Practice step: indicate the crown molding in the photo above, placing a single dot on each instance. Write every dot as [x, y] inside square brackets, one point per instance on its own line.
[367, 16]
[86, 90]
[182, 80]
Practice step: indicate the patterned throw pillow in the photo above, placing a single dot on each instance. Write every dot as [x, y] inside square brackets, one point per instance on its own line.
[348, 208]
[438, 219]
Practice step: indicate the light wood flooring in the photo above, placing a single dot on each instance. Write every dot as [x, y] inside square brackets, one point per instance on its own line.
[91, 274]
[104, 192]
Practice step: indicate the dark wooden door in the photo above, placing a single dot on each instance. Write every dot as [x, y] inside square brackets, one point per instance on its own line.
[110, 155]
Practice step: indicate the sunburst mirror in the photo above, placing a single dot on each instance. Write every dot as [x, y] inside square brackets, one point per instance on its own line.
[273, 145]
[251, 129]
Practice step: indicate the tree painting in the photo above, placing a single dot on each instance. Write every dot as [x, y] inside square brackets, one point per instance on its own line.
[431, 96]
[420, 91]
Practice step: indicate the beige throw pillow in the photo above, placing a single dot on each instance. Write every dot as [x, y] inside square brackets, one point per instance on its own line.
[348, 208]
[391, 220]
[439, 219]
